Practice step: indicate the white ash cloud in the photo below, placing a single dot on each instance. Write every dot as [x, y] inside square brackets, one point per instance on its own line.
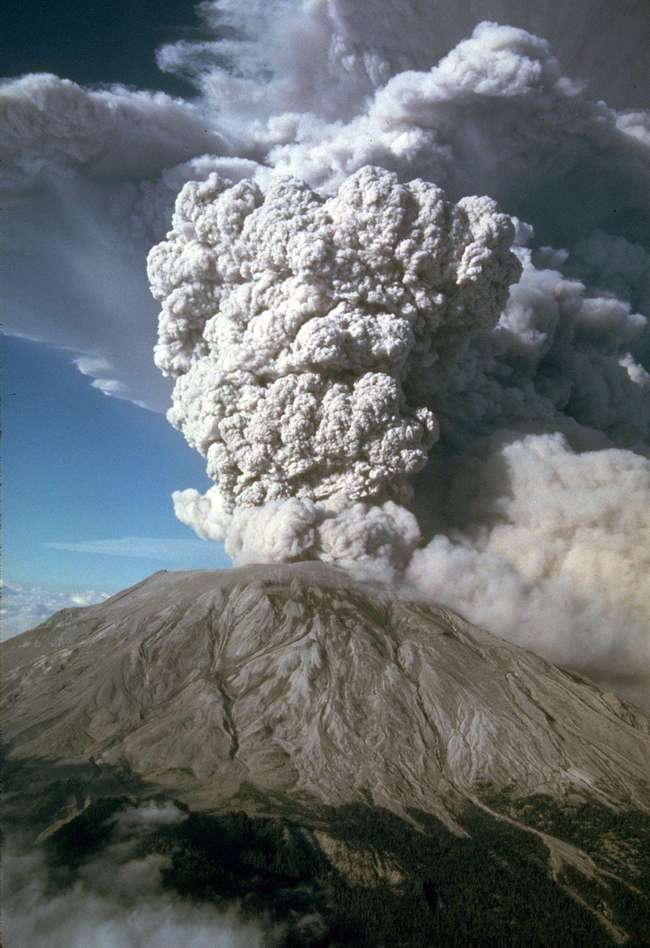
[539, 479]
[116, 899]
[551, 548]
[318, 89]
[304, 335]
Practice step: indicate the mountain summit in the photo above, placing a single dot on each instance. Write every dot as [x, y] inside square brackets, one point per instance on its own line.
[295, 693]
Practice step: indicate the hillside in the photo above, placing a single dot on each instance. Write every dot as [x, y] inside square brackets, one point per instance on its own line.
[390, 756]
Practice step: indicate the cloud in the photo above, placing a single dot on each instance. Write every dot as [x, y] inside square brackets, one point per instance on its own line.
[495, 116]
[189, 553]
[303, 332]
[551, 549]
[317, 88]
[315, 365]
[88, 180]
[24, 607]
[327, 56]
[116, 899]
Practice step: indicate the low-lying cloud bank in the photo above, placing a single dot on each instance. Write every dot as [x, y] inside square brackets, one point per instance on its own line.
[115, 898]
[24, 606]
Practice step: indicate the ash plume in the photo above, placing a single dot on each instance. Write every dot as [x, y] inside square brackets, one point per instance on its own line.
[304, 334]
[491, 454]
[509, 474]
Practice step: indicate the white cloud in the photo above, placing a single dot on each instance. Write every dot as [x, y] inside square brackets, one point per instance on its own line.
[188, 553]
[117, 899]
[24, 607]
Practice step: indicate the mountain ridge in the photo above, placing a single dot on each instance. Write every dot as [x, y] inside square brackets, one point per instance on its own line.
[293, 705]
[211, 653]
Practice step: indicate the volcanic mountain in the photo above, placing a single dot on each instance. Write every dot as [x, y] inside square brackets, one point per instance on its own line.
[423, 781]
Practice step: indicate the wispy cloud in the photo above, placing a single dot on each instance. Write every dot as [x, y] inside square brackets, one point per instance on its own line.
[188, 553]
[24, 607]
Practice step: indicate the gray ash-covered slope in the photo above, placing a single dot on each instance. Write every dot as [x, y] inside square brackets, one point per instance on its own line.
[297, 680]
[361, 720]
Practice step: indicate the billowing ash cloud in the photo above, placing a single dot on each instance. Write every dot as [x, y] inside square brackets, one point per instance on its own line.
[322, 347]
[317, 88]
[315, 366]
[551, 547]
[532, 403]
[305, 335]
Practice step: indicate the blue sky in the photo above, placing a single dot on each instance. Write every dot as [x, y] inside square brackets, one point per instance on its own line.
[86, 478]
[80, 467]
[96, 42]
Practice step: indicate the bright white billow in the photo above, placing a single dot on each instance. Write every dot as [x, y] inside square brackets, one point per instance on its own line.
[306, 335]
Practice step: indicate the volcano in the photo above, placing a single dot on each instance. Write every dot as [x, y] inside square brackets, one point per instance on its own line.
[422, 780]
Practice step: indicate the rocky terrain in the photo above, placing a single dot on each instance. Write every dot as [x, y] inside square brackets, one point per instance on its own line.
[383, 754]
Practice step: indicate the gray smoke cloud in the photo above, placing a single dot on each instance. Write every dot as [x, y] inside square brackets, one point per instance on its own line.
[89, 176]
[318, 372]
[326, 56]
[490, 448]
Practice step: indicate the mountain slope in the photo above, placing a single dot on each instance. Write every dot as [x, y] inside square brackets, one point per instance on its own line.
[294, 693]
[297, 680]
